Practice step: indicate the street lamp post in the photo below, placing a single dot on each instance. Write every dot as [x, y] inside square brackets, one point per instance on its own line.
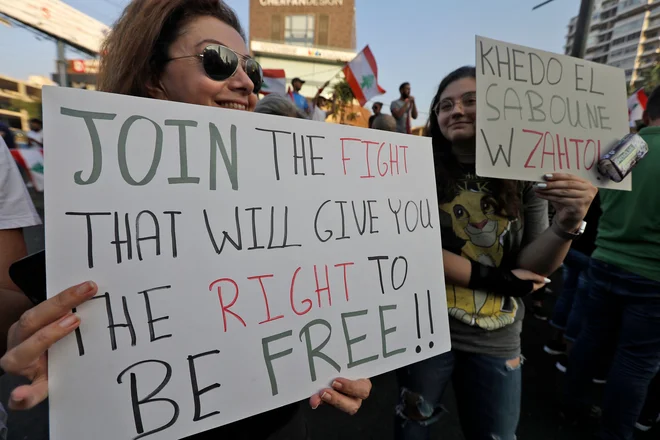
[582, 29]
[61, 63]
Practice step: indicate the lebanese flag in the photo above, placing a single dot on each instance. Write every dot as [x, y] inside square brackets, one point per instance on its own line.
[274, 82]
[362, 75]
[32, 161]
[636, 106]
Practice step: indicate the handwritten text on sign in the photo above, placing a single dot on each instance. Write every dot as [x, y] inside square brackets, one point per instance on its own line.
[539, 113]
[243, 261]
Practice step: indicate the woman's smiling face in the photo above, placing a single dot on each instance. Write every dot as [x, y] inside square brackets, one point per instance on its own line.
[457, 111]
[184, 80]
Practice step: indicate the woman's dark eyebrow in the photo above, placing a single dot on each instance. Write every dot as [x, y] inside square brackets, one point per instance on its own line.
[209, 40]
[462, 96]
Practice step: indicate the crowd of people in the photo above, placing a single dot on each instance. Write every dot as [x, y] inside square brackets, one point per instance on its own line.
[608, 314]
[403, 110]
[33, 138]
[607, 318]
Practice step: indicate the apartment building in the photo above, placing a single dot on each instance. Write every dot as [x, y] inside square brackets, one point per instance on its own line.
[624, 34]
[20, 100]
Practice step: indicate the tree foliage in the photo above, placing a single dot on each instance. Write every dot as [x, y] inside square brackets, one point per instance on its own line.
[342, 102]
[650, 82]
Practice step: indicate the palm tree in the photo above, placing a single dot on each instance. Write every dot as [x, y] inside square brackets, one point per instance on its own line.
[650, 82]
[342, 102]
[653, 80]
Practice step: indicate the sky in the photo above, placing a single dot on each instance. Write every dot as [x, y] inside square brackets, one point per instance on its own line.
[416, 41]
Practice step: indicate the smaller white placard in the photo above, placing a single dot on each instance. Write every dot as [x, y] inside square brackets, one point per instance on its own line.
[539, 113]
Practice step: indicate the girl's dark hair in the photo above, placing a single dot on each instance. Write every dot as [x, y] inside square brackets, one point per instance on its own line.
[447, 168]
[136, 51]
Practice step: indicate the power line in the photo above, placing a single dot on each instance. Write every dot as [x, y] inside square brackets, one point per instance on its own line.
[542, 4]
[40, 35]
[306, 75]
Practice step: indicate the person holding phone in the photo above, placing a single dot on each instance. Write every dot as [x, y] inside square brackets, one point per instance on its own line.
[16, 212]
[190, 51]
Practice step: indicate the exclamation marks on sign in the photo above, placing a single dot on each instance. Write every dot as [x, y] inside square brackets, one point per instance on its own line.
[419, 333]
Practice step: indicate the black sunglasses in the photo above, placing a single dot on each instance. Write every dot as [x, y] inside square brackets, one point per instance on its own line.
[221, 63]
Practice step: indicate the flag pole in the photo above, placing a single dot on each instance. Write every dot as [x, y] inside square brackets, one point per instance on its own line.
[327, 83]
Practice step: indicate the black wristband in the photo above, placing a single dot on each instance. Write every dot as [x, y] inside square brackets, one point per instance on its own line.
[500, 281]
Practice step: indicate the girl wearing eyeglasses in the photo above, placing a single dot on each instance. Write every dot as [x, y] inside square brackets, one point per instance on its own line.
[498, 247]
[190, 51]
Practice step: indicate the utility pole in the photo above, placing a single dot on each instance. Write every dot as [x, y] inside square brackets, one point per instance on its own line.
[581, 27]
[61, 63]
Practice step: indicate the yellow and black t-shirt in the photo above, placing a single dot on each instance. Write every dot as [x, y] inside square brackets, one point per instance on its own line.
[475, 227]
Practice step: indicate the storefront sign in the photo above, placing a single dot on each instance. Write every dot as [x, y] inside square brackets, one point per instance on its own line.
[300, 51]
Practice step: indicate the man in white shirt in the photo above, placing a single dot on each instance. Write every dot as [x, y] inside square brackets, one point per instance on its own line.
[318, 114]
[16, 212]
[36, 134]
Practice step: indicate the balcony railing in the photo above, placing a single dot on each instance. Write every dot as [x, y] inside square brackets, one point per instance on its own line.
[655, 13]
[647, 65]
[650, 50]
[653, 25]
[621, 56]
[596, 46]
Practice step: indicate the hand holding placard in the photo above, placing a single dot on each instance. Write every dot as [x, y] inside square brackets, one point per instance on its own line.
[346, 395]
[571, 197]
[29, 339]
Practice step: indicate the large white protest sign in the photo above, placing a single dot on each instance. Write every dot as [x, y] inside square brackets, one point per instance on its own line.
[243, 261]
[539, 112]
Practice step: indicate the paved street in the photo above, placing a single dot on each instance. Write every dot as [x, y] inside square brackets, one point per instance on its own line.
[541, 385]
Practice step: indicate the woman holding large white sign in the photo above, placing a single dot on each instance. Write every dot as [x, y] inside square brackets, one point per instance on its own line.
[498, 248]
[190, 51]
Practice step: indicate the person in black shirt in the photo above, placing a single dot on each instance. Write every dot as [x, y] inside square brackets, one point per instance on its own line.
[7, 135]
[377, 108]
[568, 315]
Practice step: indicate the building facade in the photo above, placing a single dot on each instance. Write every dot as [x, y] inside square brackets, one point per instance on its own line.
[20, 100]
[309, 39]
[623, 34]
